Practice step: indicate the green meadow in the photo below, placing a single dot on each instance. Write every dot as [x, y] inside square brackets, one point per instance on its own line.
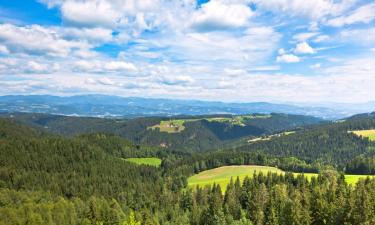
[145, 161]
[177, 125]
[365, 133]
[222, 175]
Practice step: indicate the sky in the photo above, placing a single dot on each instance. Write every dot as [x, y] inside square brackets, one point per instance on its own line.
[226, 50]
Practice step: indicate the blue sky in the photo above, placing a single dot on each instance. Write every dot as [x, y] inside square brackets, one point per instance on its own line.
[228, 50]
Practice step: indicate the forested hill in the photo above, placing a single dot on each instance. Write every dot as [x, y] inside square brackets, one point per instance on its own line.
[328, 144]
[47, 179]
[196, 132]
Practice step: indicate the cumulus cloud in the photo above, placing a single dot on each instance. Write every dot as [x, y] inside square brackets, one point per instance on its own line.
[364, 14]
[304, 48]
[216, 15]
[287, 58]
[90, 13]
[36, 39]
[104, 66]
[175, 80]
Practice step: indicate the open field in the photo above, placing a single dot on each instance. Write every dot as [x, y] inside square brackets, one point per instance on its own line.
[365, 133]
[171, 126]
[145, 161]
[177, 125]
[269, 137]
[222, 175]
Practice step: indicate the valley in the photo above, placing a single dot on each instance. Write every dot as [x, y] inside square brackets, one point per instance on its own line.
[118, 169]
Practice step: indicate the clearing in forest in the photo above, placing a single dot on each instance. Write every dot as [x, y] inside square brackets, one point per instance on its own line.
[365, 133]
[145, 161]
[222, 175]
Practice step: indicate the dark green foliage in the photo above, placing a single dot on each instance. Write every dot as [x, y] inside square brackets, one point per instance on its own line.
[198, 135]
[48, 179]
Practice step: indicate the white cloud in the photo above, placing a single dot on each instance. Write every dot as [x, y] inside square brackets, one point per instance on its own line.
[36, 39]
[364, 14]
[175, 80]
[97, 66]
[36, 67]
[3, 49]
[288, 58]
[119, 65]
[317, 9]
[89, 34]
[106, 81]
[373, 49]
[90, 13]
[304, 48]
[216, 15]
[301, 37]
[357, 36]
[316, 66]
[321, 38]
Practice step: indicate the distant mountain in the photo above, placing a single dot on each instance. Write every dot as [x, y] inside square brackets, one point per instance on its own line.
[114, 106]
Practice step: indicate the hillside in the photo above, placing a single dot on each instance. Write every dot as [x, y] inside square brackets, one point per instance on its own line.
[85, 180]
[199, 132]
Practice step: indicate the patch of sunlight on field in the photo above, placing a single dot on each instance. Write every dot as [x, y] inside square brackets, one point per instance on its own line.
[222, 175]
[145, 161]
[171, 126]
[353, 179]
[365, 133]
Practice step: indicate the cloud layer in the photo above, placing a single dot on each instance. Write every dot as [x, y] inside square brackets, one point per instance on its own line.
[233, 50]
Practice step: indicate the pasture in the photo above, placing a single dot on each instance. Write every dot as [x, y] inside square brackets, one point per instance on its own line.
[222, 175]
[145, 161]
[171, 126]
[177, 125]
[365, 133]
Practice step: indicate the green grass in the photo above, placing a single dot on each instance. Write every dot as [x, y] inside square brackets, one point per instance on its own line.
[353, 179]
[171, 126]
[222, 175]
[177, 125]
[365, 133]
[145, 161]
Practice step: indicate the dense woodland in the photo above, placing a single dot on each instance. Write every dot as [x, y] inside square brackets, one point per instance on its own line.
[83, 179]
[198, 135]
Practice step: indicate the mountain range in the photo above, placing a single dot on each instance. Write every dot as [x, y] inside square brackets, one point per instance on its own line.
[115, 106]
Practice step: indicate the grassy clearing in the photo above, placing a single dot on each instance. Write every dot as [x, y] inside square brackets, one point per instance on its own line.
[171, 126]
[222, 175]
[177, 125]
[365, 133]
[145, 161]
[269, 137]
[353, 179]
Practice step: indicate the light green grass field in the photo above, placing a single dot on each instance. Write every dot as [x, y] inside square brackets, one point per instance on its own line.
[353, 179]
[222, 175]
[177, 125]
[365, 133]
[171, 126]
[145, 161]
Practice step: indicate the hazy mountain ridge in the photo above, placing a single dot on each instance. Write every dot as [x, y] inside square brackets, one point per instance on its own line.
[115, 106]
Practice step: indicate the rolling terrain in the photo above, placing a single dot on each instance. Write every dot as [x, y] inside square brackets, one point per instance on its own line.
[95, 176]
[194, 133]
[115, 106]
